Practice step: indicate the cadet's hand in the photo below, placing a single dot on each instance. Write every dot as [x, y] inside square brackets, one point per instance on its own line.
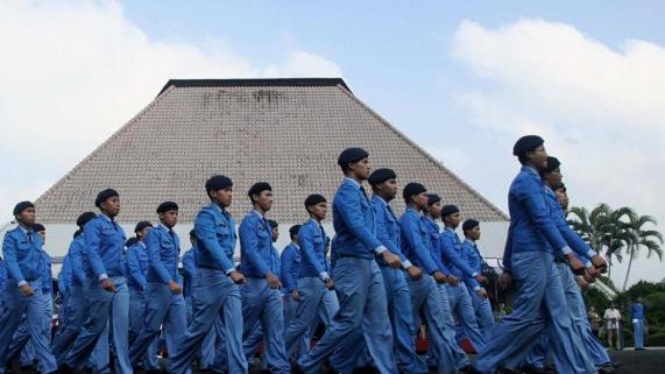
[453, 281]
[505, 280]
[392, 260]
[175, 287]
[576, 265]
[414, 272]
[586, 276]
[481, 278]
[582, 283]
[294, 294]
[27, 290]
[108, 285]
[273, 281]
[439, 277]
[482, 293]
[329, 284]
[592, 272]
[237, 277]
[599, 263]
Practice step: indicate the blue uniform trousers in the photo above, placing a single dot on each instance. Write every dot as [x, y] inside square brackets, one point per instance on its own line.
[262, 304]
[15, 305]
[538, 290]
[314, 301]
[74, 316]
[484, 316]
[137, 307]
[206, 354]
[104, 307]
[638, 333]
[214, 295]
[22, 342]
[462, 307]
[362, 299]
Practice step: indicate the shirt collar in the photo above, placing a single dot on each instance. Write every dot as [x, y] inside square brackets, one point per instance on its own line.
[258, 213]
[379, 198]
[353, 181]
[531, 171]
[164, 226]
[26, 231]
[107, 217]
[409, 208]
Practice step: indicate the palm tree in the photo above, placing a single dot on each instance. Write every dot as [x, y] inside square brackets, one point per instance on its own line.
[641, 237]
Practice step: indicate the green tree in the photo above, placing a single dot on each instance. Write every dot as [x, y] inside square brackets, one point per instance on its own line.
[640, 237]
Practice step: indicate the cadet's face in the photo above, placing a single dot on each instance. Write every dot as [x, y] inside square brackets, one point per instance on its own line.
[224, 196]
[562, 196]
[435, 210]
[474, 233]
[389, 188]
[361, 169]
[142, 233]
[275, 234]
[43, 235]
[538, 157]
[453, 219]
[111, 206]
[265, 200]
[319, 211]
[170, 218]
[554, 177]
[421, 200]
[27, 217]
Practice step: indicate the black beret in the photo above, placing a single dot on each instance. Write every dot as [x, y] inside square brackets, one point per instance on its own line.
[413, 189]
[469, 224]
[294, 230]
[381, 175]
[350, 155]
[141, 225]
[218, 182]
[433, 199]
[314, 199]
[259, 187]
[527, 143]
[23, 205]
[131, 241]
[448, 210]
[272, 223]
[85, 218]
[167, 206]
[102, 196]
[192, 233]
[37, 227]
[552, 164]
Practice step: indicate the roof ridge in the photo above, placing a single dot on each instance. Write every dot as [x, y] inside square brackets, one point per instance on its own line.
[245, 82]
[438, 163]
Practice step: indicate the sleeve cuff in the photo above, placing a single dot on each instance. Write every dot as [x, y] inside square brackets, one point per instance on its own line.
[476, 288]
[406, 264]
[324, 276]
[588, 264]
[566, 250]
[102, 277]
[231, 270]
[21, 283]
[474, 274]
[591, 253]
[380, 249]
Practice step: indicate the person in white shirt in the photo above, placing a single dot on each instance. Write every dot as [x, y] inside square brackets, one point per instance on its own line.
[613, 317]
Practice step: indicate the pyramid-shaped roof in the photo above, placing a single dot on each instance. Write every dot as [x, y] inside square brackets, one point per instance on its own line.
[288, 132]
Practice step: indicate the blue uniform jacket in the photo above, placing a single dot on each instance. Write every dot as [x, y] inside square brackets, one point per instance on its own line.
[189, 264]
[137, 266]
[451, 252]
[104, 247]
[531, 225]
[65, 276]
[353, 219]
[312, 240]
[387, 230]
[291, 267]
[80, 269]
[3, 279]
[434, 233]
[579, 246]
[256, 258]
[636, 311]
[216, 234]
[164, 254]
[415, 241]
[47, 275]
[471, 255]
[22, 252]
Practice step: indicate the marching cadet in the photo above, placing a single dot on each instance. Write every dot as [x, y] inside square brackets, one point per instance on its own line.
[74, 303]
[165, 304]
[458, 295]
[216, 292]
[22, 250]
[314, 288]
[533, 239]
[137, 273]
[384, 188]
[472, 256]
[356, 275]
[291, 260]
[107, 294]
[262, 295]
[427, 297]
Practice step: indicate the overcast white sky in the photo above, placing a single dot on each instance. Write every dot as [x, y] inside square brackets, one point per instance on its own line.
[475, 76]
